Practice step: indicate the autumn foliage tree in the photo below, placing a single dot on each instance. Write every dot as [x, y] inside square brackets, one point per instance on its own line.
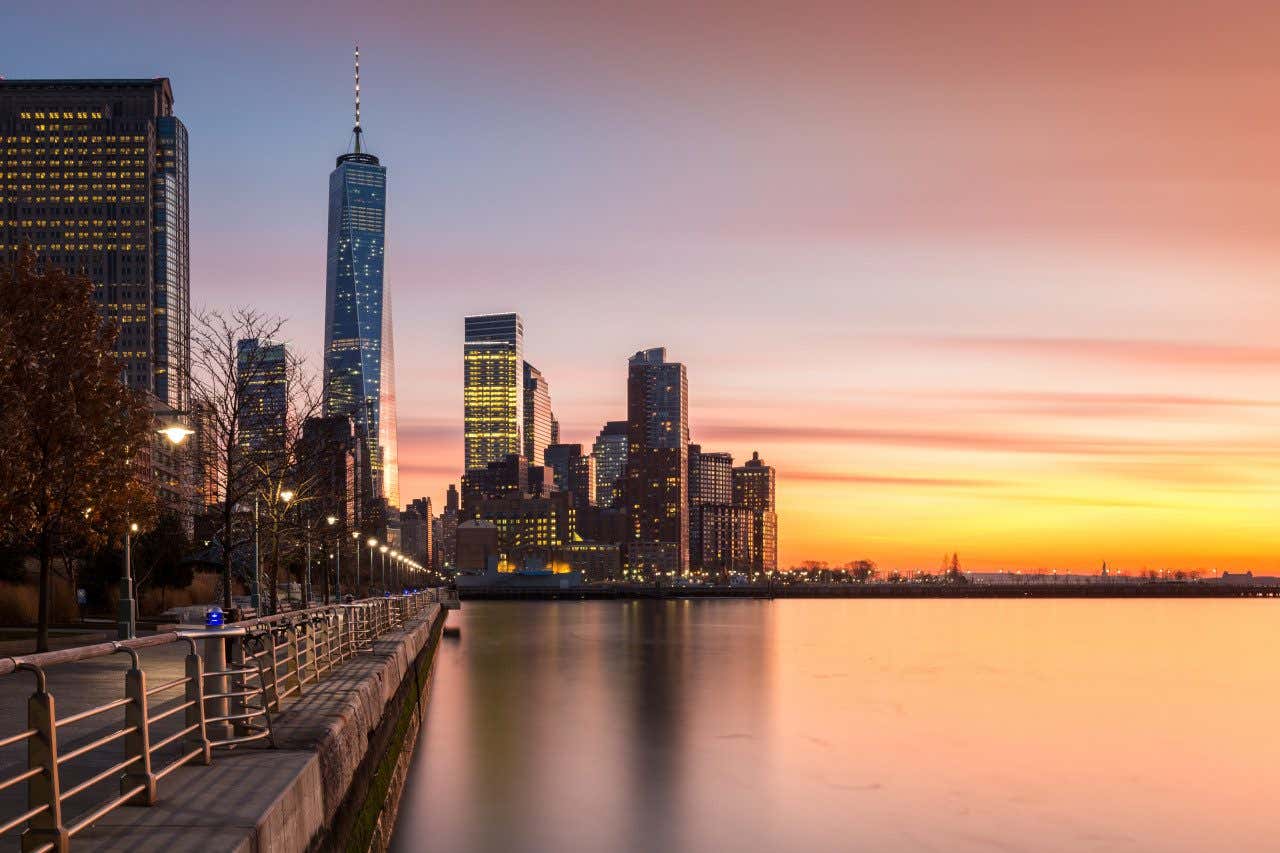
[73, 432]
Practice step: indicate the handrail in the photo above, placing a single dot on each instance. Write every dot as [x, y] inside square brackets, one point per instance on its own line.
[290, 653]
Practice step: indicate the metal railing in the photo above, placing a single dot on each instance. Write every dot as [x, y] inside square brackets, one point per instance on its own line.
[226, 701]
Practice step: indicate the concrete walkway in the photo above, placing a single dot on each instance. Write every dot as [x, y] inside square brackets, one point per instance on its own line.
[251, 798]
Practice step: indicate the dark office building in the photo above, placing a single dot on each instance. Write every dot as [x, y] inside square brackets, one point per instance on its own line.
[559, 458]
[506, 478]
[449, 519]
[93, 175]
[328, 462]
[657, 486]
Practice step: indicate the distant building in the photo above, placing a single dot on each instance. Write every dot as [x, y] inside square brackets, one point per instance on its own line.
[413, 535]
[493, 389]
[262, 402]
[646, 560]
[610, 451]
[722, 539]
[657, 482]
[530, 526]
[450, 516]
[753, 489]
[597, 561]
[582, 480]
[477, 542]
[555, 429]
[710, 477]
[328, 465]
[541, 481]
[559, 458]
[505, 478]
[537, 414]
[422, 506]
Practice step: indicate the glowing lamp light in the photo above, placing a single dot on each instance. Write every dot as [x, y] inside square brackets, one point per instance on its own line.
[176, 434]
[333, 519]
[286, 495]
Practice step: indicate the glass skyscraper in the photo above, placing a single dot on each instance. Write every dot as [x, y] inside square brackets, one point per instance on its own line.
[359, 356]
[537, 414]
[493, 388]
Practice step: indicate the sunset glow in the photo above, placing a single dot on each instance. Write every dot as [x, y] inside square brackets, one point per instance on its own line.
[996, 278]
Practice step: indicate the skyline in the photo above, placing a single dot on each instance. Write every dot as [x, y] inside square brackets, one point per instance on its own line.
[1042, 344]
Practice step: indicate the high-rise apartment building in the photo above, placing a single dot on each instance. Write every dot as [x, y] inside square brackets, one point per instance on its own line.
[359, 354]
[753, 489]
[657, 483]
[537, 414]
[610, 451]
[710, 477]
[93, 176]
[582, 479]
[493, 389]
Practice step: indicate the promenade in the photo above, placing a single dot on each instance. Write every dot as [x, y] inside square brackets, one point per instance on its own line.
[253, 796]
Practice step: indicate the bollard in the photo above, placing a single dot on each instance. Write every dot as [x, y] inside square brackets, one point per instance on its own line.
[215, 660]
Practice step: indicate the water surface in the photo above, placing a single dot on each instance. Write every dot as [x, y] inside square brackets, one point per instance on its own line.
[957, 725]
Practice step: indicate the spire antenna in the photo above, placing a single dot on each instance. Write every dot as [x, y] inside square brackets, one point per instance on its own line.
[356, 129]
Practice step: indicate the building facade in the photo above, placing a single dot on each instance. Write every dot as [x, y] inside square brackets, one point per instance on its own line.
[710, 477]
[262, 402]
[359, 353]
[493, 389]
[754, 489]
[657, 482]
[450, 516]
[537, 414]
[93, 177]
[610, 451]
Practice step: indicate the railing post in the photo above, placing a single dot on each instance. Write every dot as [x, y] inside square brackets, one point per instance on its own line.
[273, 670]
[43, 789]
[240, 683]
[199, 739]
[137, 743]
[215, 660]
[293, 661]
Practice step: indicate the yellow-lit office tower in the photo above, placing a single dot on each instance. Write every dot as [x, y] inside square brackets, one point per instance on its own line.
[493, 389]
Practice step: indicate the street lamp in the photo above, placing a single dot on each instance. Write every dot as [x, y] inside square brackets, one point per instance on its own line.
[176, 434]
[372, 542]
[126, 615]
[383, 551]
[355, 535]
[337, 570]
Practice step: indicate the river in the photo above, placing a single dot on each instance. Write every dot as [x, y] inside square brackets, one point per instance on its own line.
[884, 725]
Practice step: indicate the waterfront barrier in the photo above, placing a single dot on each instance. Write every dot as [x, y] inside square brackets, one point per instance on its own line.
[224, 693]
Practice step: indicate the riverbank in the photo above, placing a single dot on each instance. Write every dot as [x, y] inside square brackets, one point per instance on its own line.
[1138, 589]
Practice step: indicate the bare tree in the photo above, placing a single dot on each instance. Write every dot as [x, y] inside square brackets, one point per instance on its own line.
[251, 395]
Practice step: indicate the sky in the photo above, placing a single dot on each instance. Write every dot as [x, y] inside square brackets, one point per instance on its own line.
[996, 278]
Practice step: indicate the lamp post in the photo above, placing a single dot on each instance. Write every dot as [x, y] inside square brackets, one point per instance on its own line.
[372, 542]
[337, 553]
[355, 534]
[255, 598]
[382, 549]
[395, 570]
[286, 495]
[126, 615]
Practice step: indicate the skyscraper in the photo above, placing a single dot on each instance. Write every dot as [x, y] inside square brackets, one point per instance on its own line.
[93, 175]
[359, 354]
[610, 451]
[657, 484]
[493, 388]
[262, 383]
[537, 414]
[753, 489]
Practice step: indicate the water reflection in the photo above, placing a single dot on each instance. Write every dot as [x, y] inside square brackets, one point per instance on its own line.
[878, 725]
